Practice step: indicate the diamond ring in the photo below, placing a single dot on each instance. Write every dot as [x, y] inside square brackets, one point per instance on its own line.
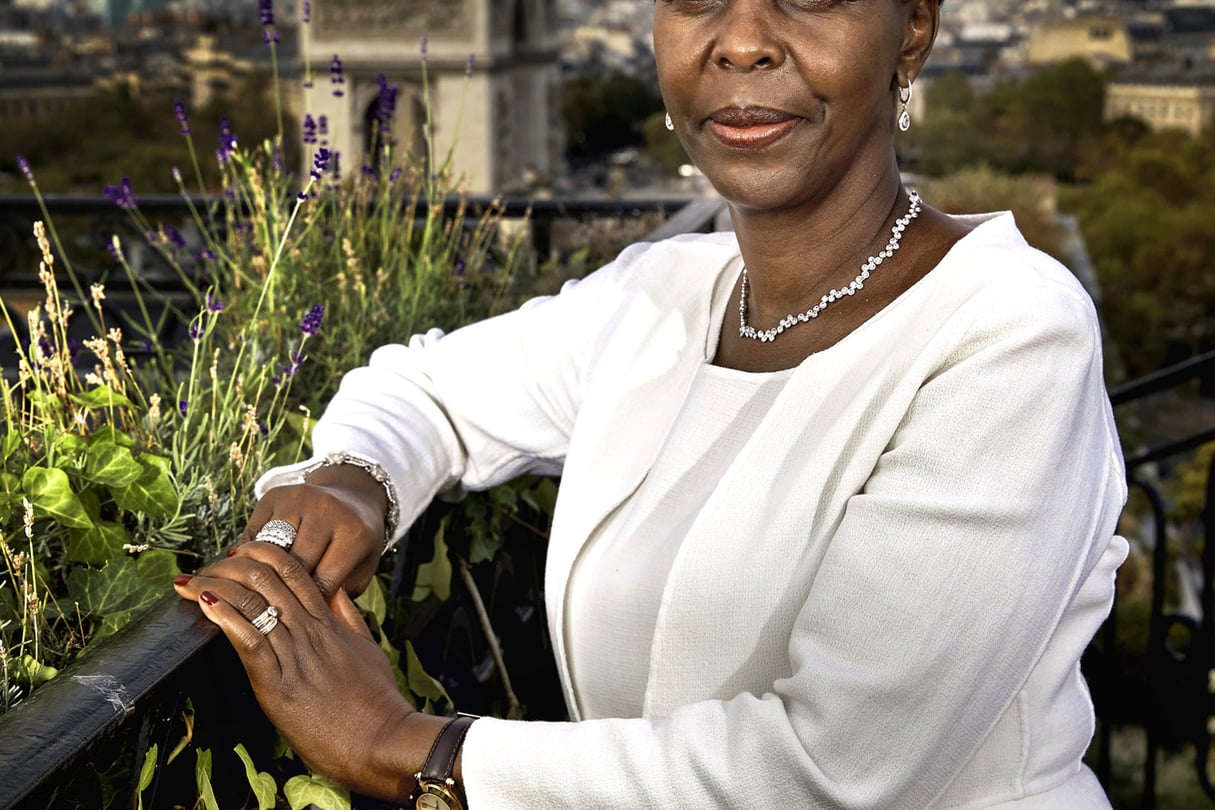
[266, 621]
[279, 532]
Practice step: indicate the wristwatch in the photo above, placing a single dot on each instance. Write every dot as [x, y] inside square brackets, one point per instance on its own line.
[437, 790]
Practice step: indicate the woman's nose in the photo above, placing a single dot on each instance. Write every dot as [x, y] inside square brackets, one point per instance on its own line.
[745, 40]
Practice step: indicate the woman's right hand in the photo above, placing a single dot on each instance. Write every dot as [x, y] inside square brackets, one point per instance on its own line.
[339, 512]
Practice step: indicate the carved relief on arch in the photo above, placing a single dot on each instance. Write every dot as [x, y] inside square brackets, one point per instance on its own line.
[376, 19]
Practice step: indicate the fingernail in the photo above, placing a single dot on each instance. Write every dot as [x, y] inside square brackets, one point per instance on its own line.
[182, 580]
[208, 597]
[232, 551]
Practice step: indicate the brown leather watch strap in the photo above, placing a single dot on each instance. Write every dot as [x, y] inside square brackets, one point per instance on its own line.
[442, 757]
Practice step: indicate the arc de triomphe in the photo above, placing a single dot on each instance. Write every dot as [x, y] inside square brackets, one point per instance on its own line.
[502, 116]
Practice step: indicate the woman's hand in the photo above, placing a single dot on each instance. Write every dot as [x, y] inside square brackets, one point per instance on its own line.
[339, 513]
[317, 672]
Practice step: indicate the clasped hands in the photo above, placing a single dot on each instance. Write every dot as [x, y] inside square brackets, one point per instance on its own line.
[317, 672]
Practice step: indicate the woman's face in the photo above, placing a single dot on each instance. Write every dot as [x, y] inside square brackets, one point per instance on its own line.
[781, 102]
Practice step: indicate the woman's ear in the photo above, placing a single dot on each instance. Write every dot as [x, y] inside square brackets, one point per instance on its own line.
[923, 20]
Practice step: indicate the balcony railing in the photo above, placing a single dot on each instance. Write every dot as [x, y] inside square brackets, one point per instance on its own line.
[104, 712]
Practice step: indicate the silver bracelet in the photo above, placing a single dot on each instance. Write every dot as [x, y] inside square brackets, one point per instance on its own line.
[379, 474]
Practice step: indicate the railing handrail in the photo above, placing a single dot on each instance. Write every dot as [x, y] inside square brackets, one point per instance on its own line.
[63, 717]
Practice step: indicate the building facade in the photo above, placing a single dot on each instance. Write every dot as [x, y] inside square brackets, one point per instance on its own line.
[1183, 103]
[484, 73]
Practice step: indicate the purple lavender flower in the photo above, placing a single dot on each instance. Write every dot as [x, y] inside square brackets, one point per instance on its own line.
[113, 249]
[311, 322]
[468, 66]
[122, 194]
[206, 255]
[306, 13]
[24, 165]
[309, 129]
[179, 111]
[265, 13]
[460, 268]
[322, 125]
[395, 176]
[196, 332]
[320, 162]
[297, 360]
[182, 406]
[301, 196]
[227, 141]
[214, 304]
[335, 76]
[386, 102]
[424, 46]
[337, 165]
[174, 237]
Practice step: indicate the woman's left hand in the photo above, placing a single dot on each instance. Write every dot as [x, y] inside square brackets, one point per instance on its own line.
[317, 672]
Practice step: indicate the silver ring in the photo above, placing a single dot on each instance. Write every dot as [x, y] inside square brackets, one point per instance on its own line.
[266, 621]
[279, 532]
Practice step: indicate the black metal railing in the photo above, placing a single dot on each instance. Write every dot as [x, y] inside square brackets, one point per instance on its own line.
[138, 687]
[1166, 688]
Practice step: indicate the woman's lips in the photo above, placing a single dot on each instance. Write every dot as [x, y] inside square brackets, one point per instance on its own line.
[751, 128]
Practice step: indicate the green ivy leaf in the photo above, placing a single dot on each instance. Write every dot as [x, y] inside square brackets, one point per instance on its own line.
[109, 464]
[99, 543]
[114, 589]
[146, 772]
[68, 448]
[374, 600]
[202, 776]
[109, 433]
[302, 791]
[51, 494]
[419, 680]
[154, 493]
[101, 397]
[157, 567]
[10, 443]
[263, 784]
[435, 576]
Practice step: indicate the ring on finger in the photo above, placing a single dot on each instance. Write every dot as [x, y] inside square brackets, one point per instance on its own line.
[278, 532]
[266, 621]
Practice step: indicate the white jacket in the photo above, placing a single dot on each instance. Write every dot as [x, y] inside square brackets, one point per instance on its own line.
[884, 602]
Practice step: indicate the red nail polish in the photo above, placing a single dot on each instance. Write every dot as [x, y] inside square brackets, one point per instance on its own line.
[209, 598]
[232, 551]
[181, 580]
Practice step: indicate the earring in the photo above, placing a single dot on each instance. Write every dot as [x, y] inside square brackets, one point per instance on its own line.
[670, 124]
[904, 116]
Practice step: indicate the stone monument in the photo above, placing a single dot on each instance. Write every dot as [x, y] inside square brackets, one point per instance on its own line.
[492, 70]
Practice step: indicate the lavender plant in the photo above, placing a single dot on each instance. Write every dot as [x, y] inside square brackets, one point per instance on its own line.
[123, 468]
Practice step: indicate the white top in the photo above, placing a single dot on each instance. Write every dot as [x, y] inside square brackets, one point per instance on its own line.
[616, 584]
[884, 602]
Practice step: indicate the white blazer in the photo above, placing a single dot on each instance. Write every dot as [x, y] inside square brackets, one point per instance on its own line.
[884, 602]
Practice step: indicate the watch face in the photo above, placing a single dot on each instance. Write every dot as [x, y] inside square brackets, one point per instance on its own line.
[429, 801]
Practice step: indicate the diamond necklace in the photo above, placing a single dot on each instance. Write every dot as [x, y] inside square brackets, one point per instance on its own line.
[769, 335]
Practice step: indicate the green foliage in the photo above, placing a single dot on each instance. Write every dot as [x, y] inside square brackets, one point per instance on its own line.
[1045, 124]
[1146, 218]
[261, 783]
[601, 114]
[135, 136]
[305, 790]
[146, 772]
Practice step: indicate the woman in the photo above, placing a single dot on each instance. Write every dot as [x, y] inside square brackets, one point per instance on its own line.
[832, 533]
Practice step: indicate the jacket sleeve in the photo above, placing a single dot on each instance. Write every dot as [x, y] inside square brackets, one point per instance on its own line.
[943, 587]
[475, 407]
